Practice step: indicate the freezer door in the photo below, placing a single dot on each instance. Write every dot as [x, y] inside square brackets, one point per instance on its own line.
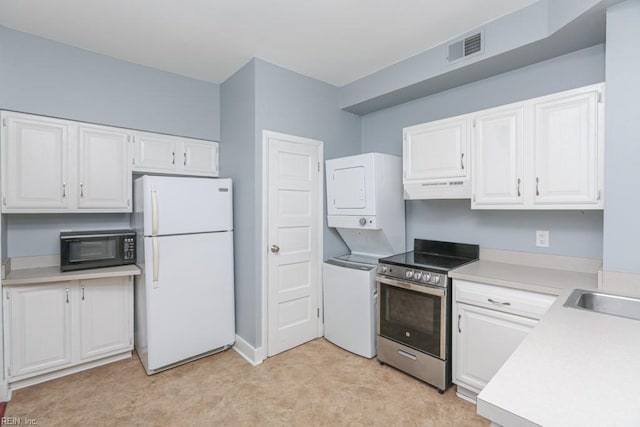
[190, 301]
[181, 205]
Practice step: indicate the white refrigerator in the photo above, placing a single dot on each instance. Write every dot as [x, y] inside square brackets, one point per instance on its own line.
[184, 298]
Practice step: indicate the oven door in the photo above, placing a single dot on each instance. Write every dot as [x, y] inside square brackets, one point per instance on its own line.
[413, 315]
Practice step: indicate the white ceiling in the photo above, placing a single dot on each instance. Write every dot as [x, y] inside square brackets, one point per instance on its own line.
[337, 41]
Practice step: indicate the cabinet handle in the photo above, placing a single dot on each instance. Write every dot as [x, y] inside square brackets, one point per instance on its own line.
[82, 292]
[81, 190]
[173, 158]
[185, 159]
[537, 189]
[462, 160]
[492, 301]
[67, 292]
[459, 318]
[64, 189]
[518, 187]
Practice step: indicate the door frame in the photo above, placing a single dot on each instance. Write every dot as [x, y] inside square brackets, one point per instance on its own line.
[262, 351]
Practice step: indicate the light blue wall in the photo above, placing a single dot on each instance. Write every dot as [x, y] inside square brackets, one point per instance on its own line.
[622, 168]
[294, 104]
[238, 152]
[44, 77]
[286, 102]
[571, 232]
[31, 235]
[540, 31]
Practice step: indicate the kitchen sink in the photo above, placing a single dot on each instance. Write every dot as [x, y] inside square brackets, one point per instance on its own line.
[599, 302]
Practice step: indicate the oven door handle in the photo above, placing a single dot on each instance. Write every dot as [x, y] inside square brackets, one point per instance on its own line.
[439, 292]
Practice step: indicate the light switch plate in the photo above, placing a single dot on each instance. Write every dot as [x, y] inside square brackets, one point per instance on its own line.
[542, 238]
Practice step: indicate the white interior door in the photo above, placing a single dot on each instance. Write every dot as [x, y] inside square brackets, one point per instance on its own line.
[294, 238]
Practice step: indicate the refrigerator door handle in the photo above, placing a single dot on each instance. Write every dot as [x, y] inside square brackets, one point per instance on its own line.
[154, 213]
[156, 262]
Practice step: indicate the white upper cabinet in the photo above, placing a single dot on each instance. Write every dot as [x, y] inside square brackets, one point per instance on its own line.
[435, 159]
[155, 153]
[200, 157]
[567, 145]
[497, 146]
[104, 175]
[35, 163]
[52, 165]
[544, 153]
[170, 154]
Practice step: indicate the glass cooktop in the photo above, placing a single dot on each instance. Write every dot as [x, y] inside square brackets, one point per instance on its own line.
[435, 255]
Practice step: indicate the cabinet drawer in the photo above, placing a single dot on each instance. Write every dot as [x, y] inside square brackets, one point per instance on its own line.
[516, 301]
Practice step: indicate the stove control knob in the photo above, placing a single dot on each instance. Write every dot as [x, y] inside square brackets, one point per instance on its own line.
[427, 277]
[408, 274]
[363, 221]
[436, 279]
[384, 268]
[417, 275]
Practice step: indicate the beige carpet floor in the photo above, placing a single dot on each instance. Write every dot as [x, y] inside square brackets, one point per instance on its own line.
[314, 384]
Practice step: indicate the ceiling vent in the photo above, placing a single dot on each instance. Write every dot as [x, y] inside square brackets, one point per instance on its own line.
[466, 47]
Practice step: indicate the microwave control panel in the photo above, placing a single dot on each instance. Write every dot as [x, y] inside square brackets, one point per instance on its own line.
[129, 248]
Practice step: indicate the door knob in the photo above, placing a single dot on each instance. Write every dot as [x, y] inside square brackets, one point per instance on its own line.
[275, 249]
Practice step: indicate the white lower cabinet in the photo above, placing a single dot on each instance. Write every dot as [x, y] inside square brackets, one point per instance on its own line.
[49, 327]
[37, 329]
[106, 308]
[489, 323]
[485, 340]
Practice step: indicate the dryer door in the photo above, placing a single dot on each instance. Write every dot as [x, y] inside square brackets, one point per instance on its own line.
[351, 186]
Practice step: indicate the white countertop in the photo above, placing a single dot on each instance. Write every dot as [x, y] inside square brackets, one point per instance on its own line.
[31, 276]
[576, 368]
[551, 281]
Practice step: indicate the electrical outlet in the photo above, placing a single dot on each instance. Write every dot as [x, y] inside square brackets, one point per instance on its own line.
[542, 239]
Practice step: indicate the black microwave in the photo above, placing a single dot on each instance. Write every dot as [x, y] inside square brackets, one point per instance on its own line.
[81, 250]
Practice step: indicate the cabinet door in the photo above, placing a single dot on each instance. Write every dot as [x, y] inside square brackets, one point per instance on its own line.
[106, 316]
[436, 150]
[566, 144]
[200, 157]
[497, 147]
[38, 330]
[35, 163]
[156, 153]
[484, 341]
[104, 169]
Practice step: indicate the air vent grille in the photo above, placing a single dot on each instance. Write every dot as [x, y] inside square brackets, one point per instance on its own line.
[473, 44]
[465, 47]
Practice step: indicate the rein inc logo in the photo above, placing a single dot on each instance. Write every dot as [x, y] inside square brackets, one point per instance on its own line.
[17, 421]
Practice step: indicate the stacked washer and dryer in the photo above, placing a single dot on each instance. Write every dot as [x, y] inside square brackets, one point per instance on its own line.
[365, 205]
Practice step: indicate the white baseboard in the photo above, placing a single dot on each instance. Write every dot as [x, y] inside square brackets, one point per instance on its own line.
[5, 392]
[248, 352]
